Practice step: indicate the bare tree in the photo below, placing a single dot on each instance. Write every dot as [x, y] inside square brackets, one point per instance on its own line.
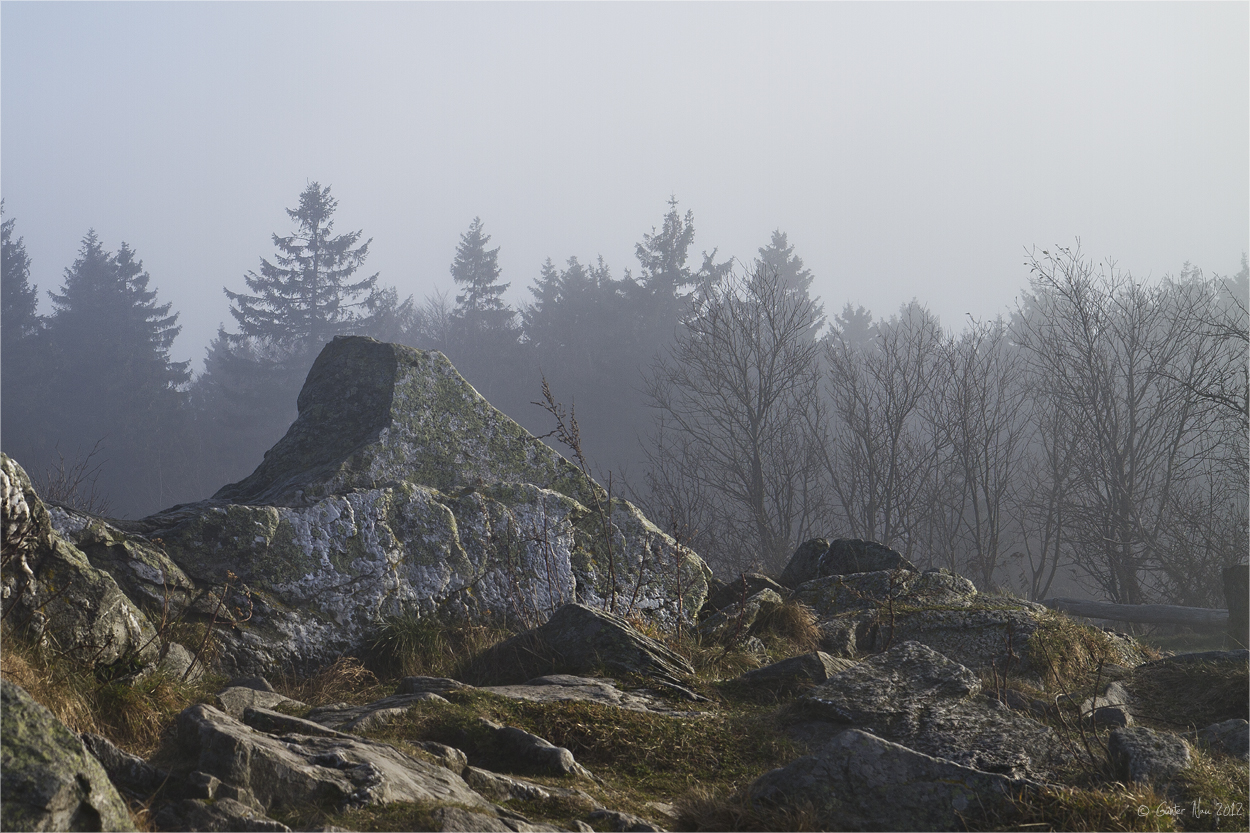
[1108, 353]
[980, 417]
[736, 404]
[881, 454]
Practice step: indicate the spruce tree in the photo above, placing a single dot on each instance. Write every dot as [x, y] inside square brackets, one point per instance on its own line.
[307, 293]
[476, 269]
[18, 297]
[23, 351]
[113, 378]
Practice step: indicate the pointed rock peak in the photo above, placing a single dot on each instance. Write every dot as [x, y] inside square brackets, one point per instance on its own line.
[371, 414]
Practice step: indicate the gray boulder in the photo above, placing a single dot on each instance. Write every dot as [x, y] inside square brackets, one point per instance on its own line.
[1231, 737]
[817, 558]
[526, 752]
[736, 620]
[1146, 756]
[795, 672]
[580, 640]
[48, 780]
[722, 594]
[129, 773]
[225, 814]
[913, 695]
[859, 781]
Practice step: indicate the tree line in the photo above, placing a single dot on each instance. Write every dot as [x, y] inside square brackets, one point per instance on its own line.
[1098, 433]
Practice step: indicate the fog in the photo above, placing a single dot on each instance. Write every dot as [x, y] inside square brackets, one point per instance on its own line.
[923, 274]
[908, 150]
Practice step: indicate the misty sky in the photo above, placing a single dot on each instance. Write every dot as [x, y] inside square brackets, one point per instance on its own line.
[909, 150]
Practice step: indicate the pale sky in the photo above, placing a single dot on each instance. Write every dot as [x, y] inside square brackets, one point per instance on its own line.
[909, 150]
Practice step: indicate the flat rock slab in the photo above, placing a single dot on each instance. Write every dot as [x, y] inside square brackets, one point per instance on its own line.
[556, 688]
[289, 771]
[914, 696]
[237, 699]
[348, 718]
[859, 781]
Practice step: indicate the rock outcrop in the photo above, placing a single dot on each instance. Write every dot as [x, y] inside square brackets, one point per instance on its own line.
[398, 489]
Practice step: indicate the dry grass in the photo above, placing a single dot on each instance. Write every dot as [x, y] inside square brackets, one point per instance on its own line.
[413, 645]
[134, 715]
[1190, 695]
[789, 628]
[346, 680]
[705, 809]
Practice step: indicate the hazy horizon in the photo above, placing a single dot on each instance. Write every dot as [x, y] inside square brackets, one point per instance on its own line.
[908, 150]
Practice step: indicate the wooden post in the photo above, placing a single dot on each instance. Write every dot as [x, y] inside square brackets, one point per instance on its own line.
[1237, 594]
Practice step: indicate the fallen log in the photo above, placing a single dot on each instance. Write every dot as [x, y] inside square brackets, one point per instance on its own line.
[1193, 617]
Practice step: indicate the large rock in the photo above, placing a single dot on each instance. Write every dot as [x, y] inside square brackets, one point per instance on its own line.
[859, 781]
[818, 558]
[913, 695]
[48, 780]
[1146, 756]
[49, 586]
[580, 640]
[397, 489]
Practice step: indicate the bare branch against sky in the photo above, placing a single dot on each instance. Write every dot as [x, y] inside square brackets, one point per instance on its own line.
[908, 150]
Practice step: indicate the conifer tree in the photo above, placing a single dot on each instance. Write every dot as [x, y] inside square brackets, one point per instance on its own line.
[18, 297]
[23, 350]
[308, 292]
[113, 378]
[476, 269]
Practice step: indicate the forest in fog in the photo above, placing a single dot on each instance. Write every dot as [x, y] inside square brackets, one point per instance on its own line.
[1094, 437]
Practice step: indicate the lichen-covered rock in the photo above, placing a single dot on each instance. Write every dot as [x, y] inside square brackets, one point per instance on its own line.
[861, 782]
[1146, 756]
[141, 568]
[398, 490]
[842, 593]
[24, 519]
[50, 587]
[48, 780]
[371, 414]
[913, 695]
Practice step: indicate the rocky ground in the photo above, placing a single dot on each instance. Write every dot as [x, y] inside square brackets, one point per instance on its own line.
[414, 616]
